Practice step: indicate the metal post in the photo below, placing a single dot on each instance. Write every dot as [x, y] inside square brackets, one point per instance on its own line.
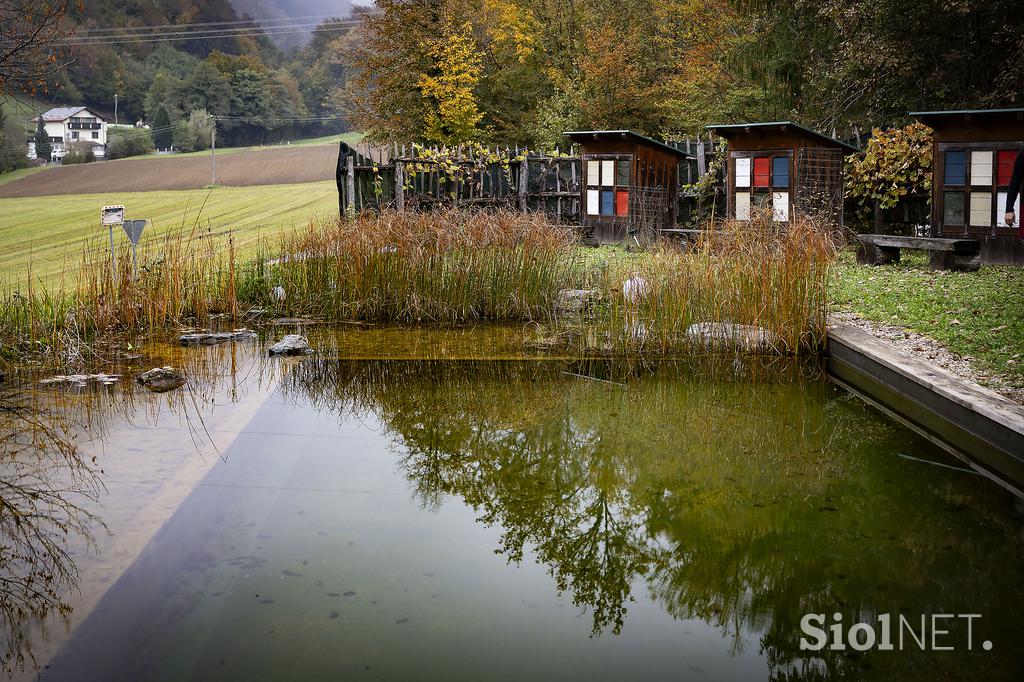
[135, 266]
[115, 108]
[113, 256]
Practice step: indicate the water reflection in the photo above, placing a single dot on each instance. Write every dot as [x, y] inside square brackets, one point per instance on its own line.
[739, 493]
[743, 496]
[44, 483]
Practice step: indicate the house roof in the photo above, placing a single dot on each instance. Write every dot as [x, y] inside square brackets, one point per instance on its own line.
[580, 135]
[965, 113]
[784, 126]
[64, 113]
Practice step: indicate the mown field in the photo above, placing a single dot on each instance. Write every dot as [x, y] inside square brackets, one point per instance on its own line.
[251, 167]
[46, 235]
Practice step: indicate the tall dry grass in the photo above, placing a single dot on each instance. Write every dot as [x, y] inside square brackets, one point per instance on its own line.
[441, 267]
[760, 273]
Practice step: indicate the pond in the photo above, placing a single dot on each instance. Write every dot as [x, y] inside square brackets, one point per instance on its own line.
[443, 506]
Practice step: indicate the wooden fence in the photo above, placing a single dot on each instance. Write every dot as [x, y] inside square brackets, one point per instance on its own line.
[403, 177]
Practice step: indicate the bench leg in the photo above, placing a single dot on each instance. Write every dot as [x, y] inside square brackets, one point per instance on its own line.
[941, 260]
[869, 254]
[960, 262]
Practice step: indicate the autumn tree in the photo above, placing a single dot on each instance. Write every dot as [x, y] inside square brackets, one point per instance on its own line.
[31, 38]
[452, 114]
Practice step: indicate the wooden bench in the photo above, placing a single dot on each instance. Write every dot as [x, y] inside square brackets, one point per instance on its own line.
[946, 254]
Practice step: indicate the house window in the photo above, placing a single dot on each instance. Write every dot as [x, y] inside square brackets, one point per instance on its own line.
[74, 135]
[975, 186]
[762, 182]
[95, 135]
[608, 187]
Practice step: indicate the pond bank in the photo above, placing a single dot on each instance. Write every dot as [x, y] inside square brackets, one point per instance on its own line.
[972, 422]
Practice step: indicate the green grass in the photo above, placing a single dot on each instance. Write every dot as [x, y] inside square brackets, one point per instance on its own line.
[10, 176]
[50, 232]
[977, 314]
[350, 138]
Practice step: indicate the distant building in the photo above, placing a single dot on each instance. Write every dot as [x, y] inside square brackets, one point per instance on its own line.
[66, 125]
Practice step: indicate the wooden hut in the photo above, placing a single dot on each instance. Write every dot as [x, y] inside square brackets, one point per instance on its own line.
[629, 185]
[972, 161]
[785, 167]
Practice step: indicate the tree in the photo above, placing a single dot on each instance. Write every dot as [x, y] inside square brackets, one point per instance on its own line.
[163, 136]
[896, 163]
[200, 127]
[206, 88]
[449, 87]
[43, 147]
[31, 32]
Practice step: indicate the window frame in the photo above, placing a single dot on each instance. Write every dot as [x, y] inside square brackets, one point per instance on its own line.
[753, 190]
[614, 187]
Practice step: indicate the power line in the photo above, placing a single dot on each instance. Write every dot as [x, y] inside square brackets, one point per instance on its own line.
[260, 22]
[209, 34]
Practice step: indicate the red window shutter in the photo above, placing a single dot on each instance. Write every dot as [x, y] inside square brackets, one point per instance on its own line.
[622, 203]
[1006, 158]
[762, 171]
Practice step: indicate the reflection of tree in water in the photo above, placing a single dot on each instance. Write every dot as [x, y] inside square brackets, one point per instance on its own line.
[745, 504]
[43, 484]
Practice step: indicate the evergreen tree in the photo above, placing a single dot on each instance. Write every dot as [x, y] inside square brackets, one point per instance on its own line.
[163, 136]
[43, 147]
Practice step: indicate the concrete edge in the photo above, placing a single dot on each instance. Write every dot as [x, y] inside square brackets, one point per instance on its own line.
[962, 391]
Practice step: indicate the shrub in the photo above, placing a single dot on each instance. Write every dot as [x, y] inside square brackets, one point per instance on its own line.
[895, 164]
[79, 152]
[124, 141]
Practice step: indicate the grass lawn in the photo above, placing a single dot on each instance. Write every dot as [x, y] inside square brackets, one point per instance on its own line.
[977, 314]
[50, 232]
[20, 173]
[350, 138]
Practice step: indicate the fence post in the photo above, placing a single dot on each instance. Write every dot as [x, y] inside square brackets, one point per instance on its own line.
[399, 186]
[350, 186]
[524, 172]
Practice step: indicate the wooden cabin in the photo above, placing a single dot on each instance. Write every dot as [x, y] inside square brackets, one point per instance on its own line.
[629, 184]
[972, 161]
[784, 167]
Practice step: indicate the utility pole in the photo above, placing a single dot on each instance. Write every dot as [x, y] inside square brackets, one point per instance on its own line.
[213, 153]
[115, 108]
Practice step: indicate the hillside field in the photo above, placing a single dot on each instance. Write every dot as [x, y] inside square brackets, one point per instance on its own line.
[248, 167]
[50, 232]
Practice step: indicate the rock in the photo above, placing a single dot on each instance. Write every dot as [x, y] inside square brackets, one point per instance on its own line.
[730, 336]
[572, 301]
[293, 344]
[161, 379]
[277, 293]
[635, 289]
[213, 338]
[80, 380]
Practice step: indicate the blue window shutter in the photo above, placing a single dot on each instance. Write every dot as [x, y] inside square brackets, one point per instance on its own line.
[956, 168]
[607, 202]
[780, 171]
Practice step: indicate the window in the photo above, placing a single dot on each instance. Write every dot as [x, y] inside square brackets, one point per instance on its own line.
[975, 184]
[74, 135]
[608, 187]
[95, 135]
[762, 182]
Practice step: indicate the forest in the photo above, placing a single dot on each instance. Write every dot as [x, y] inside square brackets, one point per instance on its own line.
[525, 71]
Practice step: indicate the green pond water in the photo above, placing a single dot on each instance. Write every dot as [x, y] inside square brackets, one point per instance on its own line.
[441, 506]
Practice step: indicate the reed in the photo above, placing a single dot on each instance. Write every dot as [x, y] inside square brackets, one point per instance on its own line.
[759, 273]
[441, 267]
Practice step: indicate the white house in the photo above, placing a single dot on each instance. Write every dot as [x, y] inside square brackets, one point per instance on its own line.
[66, 125]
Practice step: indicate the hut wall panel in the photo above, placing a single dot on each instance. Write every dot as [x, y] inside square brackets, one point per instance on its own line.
[981, 168]
[981, 209]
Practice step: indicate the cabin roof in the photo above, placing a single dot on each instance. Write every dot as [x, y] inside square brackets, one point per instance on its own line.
[953, 116]
[725, 130]
[608, 135]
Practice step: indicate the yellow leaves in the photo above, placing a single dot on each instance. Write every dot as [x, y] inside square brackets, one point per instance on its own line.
[512, 28]
[451, 86]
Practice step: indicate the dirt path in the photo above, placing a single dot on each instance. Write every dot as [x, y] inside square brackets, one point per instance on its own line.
[274, 166]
